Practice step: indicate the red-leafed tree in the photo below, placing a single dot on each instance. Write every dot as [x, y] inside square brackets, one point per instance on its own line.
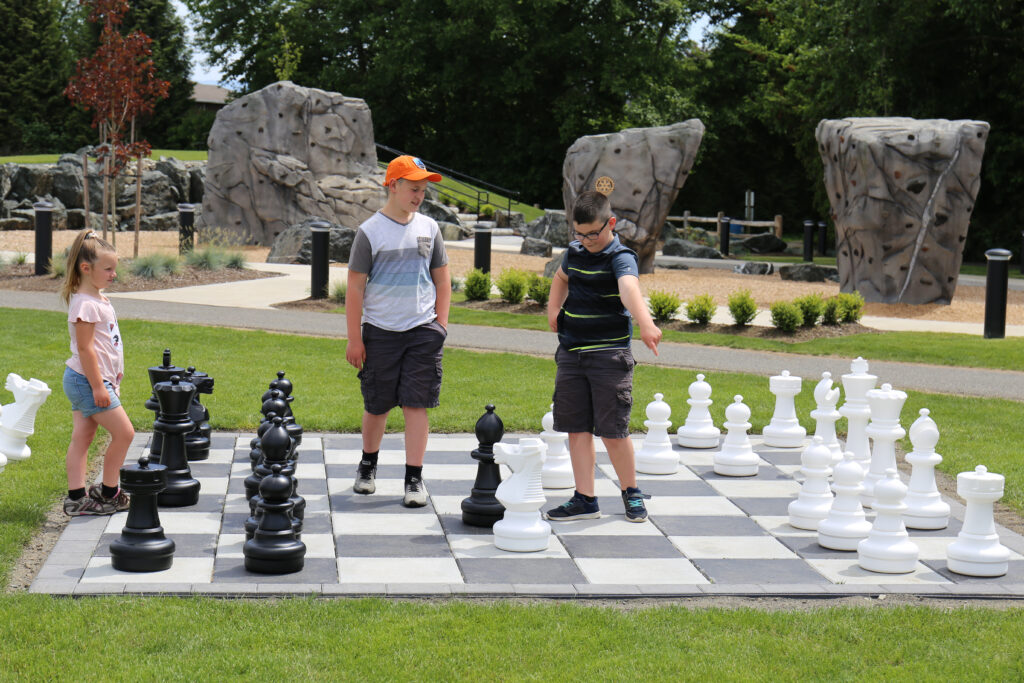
[117, 84]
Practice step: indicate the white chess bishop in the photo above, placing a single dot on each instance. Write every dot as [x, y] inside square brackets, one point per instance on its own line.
[784, 430]
[825, 415]
[815, 498]
[846, 525]
[656, 455]
[888, 548]
[885, 430]
[737, 457]
[977, 550]
[557, 472]
[522, 529]
[925, 507]
[699, 431]
[856, 384]
[17, 420]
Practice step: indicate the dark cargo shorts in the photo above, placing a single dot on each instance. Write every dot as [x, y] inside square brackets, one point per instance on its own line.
[594, 392]
[402, 368]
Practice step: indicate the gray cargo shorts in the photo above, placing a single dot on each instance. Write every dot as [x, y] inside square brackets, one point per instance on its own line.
[594, 392]
[402, 368]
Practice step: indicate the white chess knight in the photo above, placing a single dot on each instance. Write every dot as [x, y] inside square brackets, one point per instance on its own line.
[925, 507]
[784, 430]
[699, 430]
[825, 415]
[656, 455]
[888, 548]
[17, 420]
[886, 404]
[846, 525]
[815, 498]
[856, 384]
[557, 472]
[737, 457]
[977, 550]
[522, 529]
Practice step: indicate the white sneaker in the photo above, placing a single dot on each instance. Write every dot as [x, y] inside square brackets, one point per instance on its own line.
[365, 478]
[415, 494]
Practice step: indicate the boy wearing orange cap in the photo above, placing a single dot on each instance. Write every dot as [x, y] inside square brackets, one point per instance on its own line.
[396, 309]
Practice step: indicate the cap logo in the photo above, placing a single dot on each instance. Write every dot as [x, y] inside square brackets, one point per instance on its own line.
[416, 160]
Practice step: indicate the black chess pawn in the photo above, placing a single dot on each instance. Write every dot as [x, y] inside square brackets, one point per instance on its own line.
[255, 445]
[197, 442]
[276, 446]
[160, 373]
[277, 403]
[173, 423]
[482, 508]
[274, 547]
[142, 546]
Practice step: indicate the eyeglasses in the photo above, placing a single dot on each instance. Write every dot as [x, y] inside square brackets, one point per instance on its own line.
[591, 235]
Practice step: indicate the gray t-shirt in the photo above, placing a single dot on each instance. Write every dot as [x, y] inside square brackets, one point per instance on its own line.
[397, 259]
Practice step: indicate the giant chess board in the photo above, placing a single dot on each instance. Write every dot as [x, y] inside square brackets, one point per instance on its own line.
[706, 534]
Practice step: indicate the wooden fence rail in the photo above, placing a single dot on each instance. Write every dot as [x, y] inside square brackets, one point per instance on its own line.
[686, 219]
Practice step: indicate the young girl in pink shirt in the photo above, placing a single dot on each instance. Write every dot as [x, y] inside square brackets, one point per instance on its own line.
[92, 378]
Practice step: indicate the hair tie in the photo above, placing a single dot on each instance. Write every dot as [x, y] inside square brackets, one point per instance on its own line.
[93, 235]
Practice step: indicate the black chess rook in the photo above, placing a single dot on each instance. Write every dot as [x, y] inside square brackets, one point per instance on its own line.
[142, 546]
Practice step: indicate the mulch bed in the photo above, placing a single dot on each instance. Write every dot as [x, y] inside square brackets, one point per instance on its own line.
[23, 278]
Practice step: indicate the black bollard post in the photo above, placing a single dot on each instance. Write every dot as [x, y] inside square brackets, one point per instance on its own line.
[319, 262]
[822, 238]
[482, 249]
[723, 235]
[44, 236]
[186, 228]
[996, 282]
[808, 240]
[1022, 253]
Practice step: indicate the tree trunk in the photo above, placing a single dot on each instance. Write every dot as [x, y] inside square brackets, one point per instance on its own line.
[138, 205]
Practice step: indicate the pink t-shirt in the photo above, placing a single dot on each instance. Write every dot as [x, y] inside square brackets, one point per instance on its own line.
[106, 336]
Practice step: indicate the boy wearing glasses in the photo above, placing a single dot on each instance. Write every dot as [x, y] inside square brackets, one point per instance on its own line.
[595, 296]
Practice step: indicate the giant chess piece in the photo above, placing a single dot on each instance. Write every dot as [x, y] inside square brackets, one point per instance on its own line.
[925, 507]
[197, 442]
[888, 548]
[157, 374]
[521, 529]
[482, 507]
[274, 547]
[977, 550]
[286, 388]
[276, 446]
[557, 472]
[856, 385]
[18, 419]
[846, 525]
[784, 430]
[656, 455]
[142, 546]
[699, 430]
[255, 446]
[173, 423]
[886, 404]
[825, 415]
[737, 457]
[815, 498]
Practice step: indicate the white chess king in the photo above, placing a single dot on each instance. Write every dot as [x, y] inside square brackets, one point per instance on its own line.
[17, 420]
[522, 529]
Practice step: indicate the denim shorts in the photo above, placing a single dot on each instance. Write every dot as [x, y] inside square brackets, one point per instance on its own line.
[79, 392]
[594, 392]
[402, 368]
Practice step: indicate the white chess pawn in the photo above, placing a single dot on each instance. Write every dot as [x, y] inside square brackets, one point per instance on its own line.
[977, 550]
[784, 430]
[557, 472]
[856, 410]
[925, 507]
[845, 526]
[737, 457]
[815, 497]
[699, 431]
[888, 548]
[522, 529]
[656, 455]
[17, 420]
[886, 404]
[825, 415]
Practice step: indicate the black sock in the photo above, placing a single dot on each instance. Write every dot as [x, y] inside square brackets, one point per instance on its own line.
[411, 471]
[109, 491]
[589, 499]
[370, 458]
[76, 494]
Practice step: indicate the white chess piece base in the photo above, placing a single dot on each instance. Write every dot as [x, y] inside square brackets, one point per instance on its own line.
[521, 532]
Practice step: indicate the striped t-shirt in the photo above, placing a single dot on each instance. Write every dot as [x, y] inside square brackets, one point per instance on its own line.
[593, 317]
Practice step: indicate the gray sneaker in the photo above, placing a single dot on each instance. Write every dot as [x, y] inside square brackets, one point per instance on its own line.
[120, 499]
[415, 494]
[86, 506]
[364, 477]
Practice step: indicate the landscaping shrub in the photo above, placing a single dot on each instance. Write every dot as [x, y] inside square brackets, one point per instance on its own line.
[700, 309]
[742, 307]
[811, 307]
[832, 311]
[786, 316]
[154, 266]
[478, 285]
[512, 284]
[235, 260]
[456, 284]
[852, 306]
[338, 292]
[663, 305]
[209, 258]
[539, 289]
[20, 258]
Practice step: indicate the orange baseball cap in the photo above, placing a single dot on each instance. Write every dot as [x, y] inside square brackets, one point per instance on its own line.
[410, 168]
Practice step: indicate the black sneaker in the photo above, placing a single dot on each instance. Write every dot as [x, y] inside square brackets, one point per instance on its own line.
[364, 477]
[633, 499]
[576, 507]
[415, 495]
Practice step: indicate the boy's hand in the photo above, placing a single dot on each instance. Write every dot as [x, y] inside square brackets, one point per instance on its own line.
[553, 320]
[650, 334]
[355, 353]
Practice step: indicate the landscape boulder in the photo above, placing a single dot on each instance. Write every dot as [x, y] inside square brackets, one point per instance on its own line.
[808, 272]
[295, 244]
[439, 212]
[763, 243]
[551, 227]
[177, 175]
[534, 247]
[754, 268]
[689, 249]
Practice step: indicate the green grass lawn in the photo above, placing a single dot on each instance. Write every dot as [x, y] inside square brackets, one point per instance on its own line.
[180, 154]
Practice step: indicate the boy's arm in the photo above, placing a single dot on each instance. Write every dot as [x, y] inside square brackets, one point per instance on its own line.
[443, 286]
[355, 353]
[559, 291]
[633, 300]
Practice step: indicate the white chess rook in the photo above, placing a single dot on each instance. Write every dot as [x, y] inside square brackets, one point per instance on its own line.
[699, 430]
[17, 420]
[737, 457]
[557, 472]
[925, 507]
[977, 550]
[656, 455]
[888, 548]
[825, 415]
[846, 525]
[886, 404]
[815, 497]
[521, 530]
[856, 410]
[784, 430]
